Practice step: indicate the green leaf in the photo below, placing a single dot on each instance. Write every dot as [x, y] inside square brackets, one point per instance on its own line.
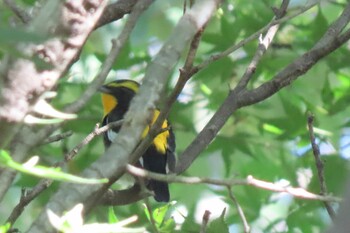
[31, 168]
[5, 228]
[320, 25]
[112, 217]
[159, 214]
[218, 225]
[10, 35]
[327, 93]
[272, 129]
[168, 226]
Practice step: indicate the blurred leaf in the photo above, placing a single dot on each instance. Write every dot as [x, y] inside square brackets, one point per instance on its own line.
[112, 218]
[218, 225]
[320, 25]
[190, 225]
[30, 167]
[10, 35]
[159, 214]
[4, 228]
[272, 129]
[327, 93]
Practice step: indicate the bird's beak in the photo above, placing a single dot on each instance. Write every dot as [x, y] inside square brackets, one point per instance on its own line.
[104, 89]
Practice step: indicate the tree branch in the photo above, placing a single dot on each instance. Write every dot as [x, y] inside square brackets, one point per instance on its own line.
[249, 181]
[57, 137]
[67, 24]
[241, 214]
[115, 11]
[123, 197]
[319, 166]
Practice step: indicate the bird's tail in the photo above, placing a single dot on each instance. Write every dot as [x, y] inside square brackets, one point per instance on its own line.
[160, 189]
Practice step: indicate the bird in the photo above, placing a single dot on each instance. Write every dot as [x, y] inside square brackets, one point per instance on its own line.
[160, 155]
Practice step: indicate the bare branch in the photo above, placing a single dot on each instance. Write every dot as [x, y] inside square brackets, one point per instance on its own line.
[241, 214]
[97, 131]
[27, 198]
[250, 181]
[58, 137]
[67, 24]
[319, 166]
[115, 11]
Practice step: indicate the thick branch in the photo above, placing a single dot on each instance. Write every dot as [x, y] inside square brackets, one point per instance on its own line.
[123, 197]
[23, 81]
[115, 11]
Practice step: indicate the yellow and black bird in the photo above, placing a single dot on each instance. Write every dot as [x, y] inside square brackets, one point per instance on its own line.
[116, 99]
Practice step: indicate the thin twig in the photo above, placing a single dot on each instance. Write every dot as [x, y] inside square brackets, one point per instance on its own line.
[57, 137]
[27, 198]
[241, 214]
[97, 131]
[205, 220]
[249, 181]
[319, 166]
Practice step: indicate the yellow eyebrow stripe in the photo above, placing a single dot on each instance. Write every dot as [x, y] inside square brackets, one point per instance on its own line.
[131, 85]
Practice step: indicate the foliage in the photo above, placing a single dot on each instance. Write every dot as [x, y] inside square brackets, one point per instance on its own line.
[31, 168]
[268, 140]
